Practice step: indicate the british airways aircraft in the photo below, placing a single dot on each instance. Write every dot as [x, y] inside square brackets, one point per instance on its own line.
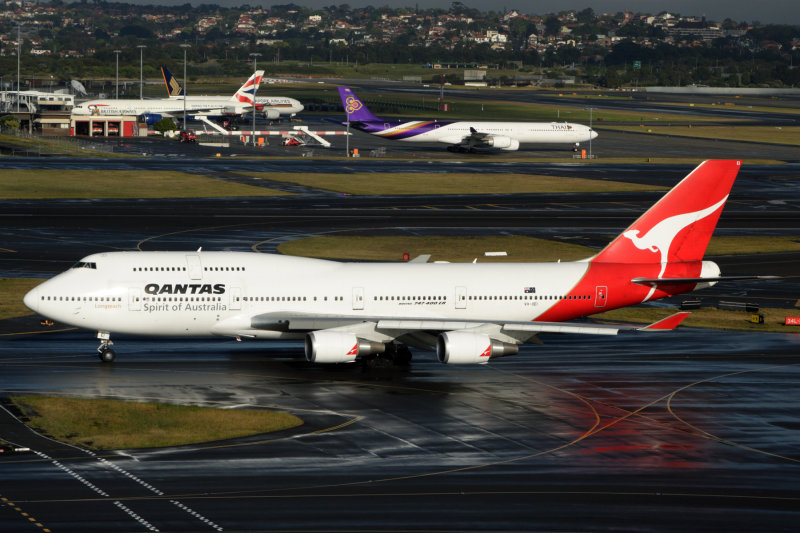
[465, 135]
[157, 108]
[466, 312]
[271, 107]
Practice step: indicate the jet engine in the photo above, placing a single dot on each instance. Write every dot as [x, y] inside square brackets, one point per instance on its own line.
[513, 146]
[502, 142]
[338, 347]
[151, 118]
[271, 114]
[464, 348]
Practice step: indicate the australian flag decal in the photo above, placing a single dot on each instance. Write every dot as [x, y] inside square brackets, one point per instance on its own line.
[530, 290]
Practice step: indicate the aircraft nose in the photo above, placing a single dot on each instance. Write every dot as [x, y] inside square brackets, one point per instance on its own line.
[298, 105]
[31, 300]
[593, 134]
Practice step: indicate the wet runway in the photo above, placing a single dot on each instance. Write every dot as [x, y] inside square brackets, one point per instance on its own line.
[697, 432]
[694, 430]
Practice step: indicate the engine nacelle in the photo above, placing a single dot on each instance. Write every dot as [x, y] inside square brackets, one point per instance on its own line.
[271, 114]
[503, 142]
[151, 118]
[338, 347]
[465, 348]
[513, 147]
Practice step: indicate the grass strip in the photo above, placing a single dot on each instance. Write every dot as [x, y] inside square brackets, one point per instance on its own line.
[735, 245]
[453, 249]
[55, 184]
[60, 145]
[11, 292]
[476, 106]
[519, 248]
[788, 135]
[101, 424]
[401, 183]
[706, 317]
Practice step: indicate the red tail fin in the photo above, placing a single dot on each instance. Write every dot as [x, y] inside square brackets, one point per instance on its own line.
[679, 226]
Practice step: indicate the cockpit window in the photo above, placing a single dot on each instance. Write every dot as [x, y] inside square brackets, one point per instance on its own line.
[84, 264]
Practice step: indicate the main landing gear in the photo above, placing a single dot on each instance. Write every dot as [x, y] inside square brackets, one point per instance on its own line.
[396, 355]
[104, 351]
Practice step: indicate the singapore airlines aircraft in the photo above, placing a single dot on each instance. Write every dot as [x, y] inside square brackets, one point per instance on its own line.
[466, 135]
[158, 108]
[466, 312]
[271, 107]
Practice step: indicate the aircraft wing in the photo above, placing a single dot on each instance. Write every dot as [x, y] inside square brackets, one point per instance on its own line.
[342, 339]
[478, 139]
[666, 282]
[384, 329]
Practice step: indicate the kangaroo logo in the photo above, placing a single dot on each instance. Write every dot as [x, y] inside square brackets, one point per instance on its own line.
[659, 238]
[352, 104]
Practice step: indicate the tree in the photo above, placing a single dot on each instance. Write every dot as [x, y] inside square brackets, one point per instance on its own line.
[552, 26]
[586, 16]
[164, 125]
[9, 122]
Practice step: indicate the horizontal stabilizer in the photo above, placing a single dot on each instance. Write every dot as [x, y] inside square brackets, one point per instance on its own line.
[658, 282]
[667, 324]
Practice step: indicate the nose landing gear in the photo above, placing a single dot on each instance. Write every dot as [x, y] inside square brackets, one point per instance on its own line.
[104, 351]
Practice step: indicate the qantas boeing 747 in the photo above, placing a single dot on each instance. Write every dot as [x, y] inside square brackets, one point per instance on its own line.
[466, 312]
[463, 135]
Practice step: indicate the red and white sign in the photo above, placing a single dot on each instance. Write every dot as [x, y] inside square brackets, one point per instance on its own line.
[793, 320]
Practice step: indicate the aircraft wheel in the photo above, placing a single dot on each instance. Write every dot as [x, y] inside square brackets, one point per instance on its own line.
[107, 355]
[403, 356]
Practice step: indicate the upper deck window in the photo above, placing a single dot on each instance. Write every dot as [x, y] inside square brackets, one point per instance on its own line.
[84, 264]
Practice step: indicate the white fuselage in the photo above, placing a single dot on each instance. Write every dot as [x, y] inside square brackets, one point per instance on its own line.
[523, 132]
[281, 104]
[218, 293]
[155, 106]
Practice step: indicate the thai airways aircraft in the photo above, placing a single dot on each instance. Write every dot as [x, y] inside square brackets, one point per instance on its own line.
[465, 135]
[271, 107]
[466, 312]
[154, 110]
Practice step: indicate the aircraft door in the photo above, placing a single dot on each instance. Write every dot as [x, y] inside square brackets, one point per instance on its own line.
[194, 267]
[358, 298]
[461, 297]
[236, 298]
[600, 295]
[134, 299]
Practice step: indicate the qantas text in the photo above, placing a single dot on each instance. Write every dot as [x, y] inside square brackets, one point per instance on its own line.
[185, 288]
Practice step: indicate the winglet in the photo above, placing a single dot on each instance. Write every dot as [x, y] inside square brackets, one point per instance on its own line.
[667, 324]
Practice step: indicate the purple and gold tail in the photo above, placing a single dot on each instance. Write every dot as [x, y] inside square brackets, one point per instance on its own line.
[354, 108]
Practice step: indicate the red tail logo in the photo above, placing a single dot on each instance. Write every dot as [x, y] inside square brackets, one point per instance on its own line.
[679, 226]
